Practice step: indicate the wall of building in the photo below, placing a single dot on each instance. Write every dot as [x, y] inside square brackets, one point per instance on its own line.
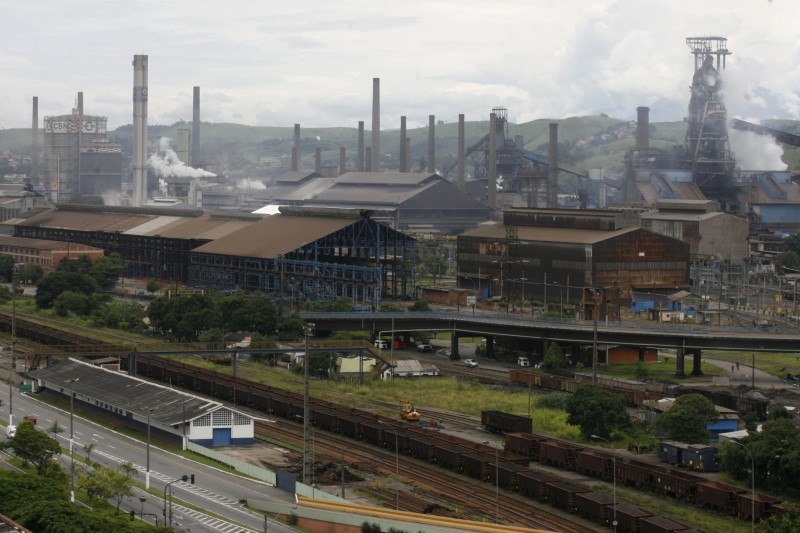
[201, 430]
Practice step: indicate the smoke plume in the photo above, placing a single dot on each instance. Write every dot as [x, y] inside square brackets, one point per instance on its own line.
[166, 163]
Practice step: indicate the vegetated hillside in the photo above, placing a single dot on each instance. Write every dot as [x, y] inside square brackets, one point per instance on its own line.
[249, 151]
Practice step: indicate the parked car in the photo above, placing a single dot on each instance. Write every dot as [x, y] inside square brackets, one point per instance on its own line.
[381, 344]
[523, 361]
[399, 345]
[424, 346]
[472, 363]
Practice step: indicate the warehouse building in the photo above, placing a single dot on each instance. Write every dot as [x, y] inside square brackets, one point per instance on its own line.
[309, 254]
[137, 403]
[554, 255]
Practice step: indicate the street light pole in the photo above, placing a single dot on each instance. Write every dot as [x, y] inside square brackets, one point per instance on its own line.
[614, 466]
[147, 468]
[752, 485]
[71, 441]
[168, 485]
[308, 330]
[594, 337]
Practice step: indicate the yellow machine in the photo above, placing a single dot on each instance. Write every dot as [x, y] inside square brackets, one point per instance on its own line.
[409, 413]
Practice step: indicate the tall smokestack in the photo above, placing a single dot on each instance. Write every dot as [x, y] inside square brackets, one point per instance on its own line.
[80, 103]
[296, 149]
[642, 128]
[492, 181]
[196, 158]
[552, 171]
[408, 154]
[431, 143]
[461, 150]
[376, 125]
[403, 167]
[360, 154]
[139, 130]
[368, 159]
[35, 142]
[342, 160]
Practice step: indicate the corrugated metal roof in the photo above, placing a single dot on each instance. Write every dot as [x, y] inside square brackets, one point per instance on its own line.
[125, 392]
[87, 220]
[39, 244]
[206, 227]
[565, 235]
[684, 216]
[295, 176]
[386, 178]
[275, 235]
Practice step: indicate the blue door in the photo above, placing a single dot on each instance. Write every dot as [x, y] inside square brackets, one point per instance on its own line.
[222, 437]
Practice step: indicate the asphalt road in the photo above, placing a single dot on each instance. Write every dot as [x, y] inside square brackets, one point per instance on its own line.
[216, 491]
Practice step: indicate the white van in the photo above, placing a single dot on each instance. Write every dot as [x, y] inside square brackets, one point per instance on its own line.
[381, 344]
[11, 431]
[523, 361]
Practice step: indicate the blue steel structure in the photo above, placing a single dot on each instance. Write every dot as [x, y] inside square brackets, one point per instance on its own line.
[364, 261]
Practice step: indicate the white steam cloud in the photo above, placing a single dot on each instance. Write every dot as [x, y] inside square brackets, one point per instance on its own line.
[250, 183]
[756, 152]
[166, 163]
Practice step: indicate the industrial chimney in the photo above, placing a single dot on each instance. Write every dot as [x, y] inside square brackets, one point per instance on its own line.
[360, 148]
[196, 159]
[35, 143]
[296, 149]
[642, 128]
[461, 149]
[431, 143]
[403, 144]
[376, 125]
[139, 130]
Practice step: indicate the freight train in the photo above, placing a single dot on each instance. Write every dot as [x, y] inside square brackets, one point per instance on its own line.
[635, 393]
[510, 468]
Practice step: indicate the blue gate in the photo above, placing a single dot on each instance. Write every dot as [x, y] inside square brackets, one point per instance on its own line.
[285, 480]
[222, 437]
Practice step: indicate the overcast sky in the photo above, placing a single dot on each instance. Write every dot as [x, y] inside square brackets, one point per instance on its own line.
[311, 62]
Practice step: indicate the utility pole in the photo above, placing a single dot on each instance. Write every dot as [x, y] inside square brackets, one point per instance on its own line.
[309, 330]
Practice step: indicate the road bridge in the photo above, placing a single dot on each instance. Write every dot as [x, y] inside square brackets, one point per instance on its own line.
[685, 339]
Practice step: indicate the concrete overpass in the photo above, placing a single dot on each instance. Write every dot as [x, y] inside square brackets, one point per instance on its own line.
[685, 339]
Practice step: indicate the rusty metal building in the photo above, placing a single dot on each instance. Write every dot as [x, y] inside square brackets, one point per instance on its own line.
[314, 254]
[553, 255]
[709, 233]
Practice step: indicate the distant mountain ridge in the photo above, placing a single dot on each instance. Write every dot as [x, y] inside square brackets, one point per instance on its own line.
[236, 150]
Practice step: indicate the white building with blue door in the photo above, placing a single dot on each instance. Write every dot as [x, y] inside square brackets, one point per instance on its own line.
[136, 403]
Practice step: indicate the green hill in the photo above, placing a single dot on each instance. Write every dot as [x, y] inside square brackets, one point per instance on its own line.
[249, 151]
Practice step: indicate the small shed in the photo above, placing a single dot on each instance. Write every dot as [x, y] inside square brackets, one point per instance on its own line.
[403, 368]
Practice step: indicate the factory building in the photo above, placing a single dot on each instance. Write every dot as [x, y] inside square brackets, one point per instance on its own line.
[553, 255]
[300, 254]
[410, 202]
[709, 233]
[78, 159]
[312, 254]
[45, 254]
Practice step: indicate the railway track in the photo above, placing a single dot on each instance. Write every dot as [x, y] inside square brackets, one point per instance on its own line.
[483, 501]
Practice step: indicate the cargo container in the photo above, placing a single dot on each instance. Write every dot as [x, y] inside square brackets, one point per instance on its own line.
[563, 494]
[558, 453]
[500, 422]
[596, 506]
[719, 496]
